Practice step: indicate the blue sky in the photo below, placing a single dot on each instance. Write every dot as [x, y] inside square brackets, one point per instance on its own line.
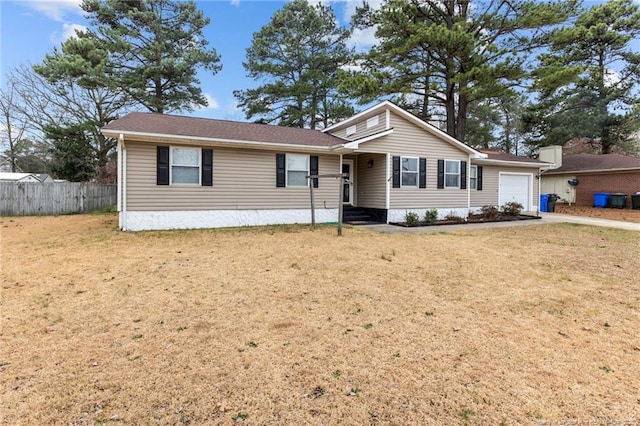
[31, 28]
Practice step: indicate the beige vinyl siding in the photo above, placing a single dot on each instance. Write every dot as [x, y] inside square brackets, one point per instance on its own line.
[371, 183]
[490, 182]
[409, 140]
[242, 179]
[361, 128]
[558, 184]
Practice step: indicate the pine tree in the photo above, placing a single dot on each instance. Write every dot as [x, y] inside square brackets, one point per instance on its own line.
[73, 157]
[439, 57]
[588, 81]
[149, 49]
[298, 55]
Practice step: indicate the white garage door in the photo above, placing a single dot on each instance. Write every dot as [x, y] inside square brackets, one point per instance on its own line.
[515, 188]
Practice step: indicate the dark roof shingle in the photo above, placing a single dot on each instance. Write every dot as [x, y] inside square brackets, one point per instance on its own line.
[586, 162]
[165, 124]
[503, 156]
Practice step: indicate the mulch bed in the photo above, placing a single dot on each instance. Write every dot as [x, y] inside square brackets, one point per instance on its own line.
[467, 221]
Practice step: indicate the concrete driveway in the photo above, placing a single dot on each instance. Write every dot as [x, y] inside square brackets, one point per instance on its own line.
[545, 219]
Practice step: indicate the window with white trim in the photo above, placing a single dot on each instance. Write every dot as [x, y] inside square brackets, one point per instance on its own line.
[185, 165]
[451, 174]
[373, 121]
[351, 130]
[409, 171]
[297, 170]
[473, 177]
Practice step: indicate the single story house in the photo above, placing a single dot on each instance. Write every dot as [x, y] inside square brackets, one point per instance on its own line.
[185, 172]
[589, 174]
[26, 177]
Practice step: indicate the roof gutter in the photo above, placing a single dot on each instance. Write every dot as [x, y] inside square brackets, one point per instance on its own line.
[573, 172]
[486, 161]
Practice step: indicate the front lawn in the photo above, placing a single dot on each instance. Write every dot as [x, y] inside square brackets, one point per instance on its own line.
[287, 325]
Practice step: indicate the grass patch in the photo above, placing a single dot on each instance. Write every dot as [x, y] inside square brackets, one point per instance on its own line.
[491, 326]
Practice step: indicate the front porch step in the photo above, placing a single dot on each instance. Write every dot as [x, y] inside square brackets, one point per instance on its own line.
[359, 216]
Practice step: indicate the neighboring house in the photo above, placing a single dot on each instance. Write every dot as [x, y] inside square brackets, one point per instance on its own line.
[26, 177]
[613, 173]
[183, 172]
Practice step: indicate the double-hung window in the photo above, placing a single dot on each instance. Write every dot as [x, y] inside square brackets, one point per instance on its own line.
[473, 177]
[178, 165]
[292, 170]
[452, 174]
[185, 166]
[297, 170]
[409, 168]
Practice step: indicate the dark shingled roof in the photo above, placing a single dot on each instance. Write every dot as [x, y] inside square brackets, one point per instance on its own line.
[586, 162]
[503, 156]
[165, 124]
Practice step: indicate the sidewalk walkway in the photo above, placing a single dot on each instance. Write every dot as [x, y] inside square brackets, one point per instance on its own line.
[594, 221]
[546, 219]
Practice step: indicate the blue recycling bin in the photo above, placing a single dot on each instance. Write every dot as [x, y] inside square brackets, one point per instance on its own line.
[601, 199]
[544, 200]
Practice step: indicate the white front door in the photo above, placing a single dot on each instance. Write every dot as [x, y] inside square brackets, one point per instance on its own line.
[347, 190]
[515, 187]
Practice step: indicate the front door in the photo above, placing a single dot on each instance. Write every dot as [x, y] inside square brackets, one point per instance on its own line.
[347, 189]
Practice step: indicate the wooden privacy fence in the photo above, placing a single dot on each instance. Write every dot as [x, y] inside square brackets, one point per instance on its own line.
[21, 199]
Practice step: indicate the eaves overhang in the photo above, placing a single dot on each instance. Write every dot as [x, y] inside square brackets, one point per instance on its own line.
[593, 171]
[488, 162]
[226, 143]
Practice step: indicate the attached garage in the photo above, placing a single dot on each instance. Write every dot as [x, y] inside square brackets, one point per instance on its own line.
[515, 187]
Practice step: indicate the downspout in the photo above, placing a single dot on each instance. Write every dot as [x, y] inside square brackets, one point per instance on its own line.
[340, 200]
[124, 185]
[388, 188]
[468, 184]
[119, 181]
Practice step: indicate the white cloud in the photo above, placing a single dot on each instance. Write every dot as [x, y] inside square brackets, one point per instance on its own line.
[54, 9]
[212, 103]
[363, 39]
[611, 78]
[235, 2]
[68, 31]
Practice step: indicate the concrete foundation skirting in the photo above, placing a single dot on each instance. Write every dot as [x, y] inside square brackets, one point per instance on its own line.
[398, 215]
[158, 220]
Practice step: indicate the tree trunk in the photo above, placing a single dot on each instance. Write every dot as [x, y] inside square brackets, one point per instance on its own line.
[450, 108]
[158, 101]
[463, 106]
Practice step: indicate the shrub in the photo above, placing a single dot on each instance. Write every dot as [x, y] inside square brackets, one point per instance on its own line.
[454, 217]
[489, 212]
[512, 208]
[431, 216]
[411, 218]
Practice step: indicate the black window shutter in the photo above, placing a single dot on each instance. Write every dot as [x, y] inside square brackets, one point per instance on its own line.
[162, 165]
[207, 167]
[280, 171]
[463, 175]
[423, 173]
[440, 174]
[313, 165]
[479, 178]
[396, 172]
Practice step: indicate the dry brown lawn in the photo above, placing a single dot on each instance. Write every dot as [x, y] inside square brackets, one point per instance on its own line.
[626, 215]
[528, 325]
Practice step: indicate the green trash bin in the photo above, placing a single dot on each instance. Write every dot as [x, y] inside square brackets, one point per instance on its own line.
[551, 203]
[618, 201]
[635, 201]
